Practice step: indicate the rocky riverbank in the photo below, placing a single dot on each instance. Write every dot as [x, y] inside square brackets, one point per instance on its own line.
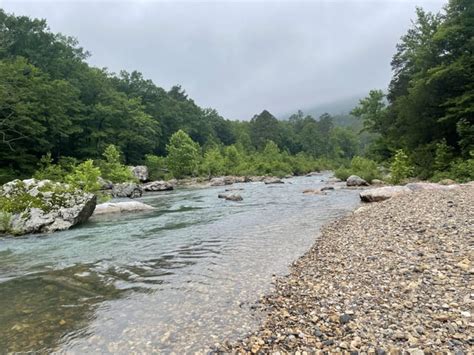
[393, 277]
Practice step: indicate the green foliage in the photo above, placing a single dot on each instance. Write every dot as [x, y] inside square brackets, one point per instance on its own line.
[156, 166]
[183, 155]
[85, 176]
[48, 170]
[443, 156]
[365, 168]
[112, 169]
[5, 222]
[461, 170]
[401, 168]
[213, 163]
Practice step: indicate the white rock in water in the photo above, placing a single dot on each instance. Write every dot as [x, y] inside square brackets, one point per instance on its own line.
[383, 193]
[119, 207]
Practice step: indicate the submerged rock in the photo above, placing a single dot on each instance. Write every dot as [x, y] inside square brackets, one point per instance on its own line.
[383, 193]
[43, 206]
[355, 180]
[231, 197]
[140, 172]
[272, 180]
[119, 207]
[158, 185]
[127, 189]
[314, 192]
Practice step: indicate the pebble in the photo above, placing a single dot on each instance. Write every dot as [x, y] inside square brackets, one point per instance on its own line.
[390, 279]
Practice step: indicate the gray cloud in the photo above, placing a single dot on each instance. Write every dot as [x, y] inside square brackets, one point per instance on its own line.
[241, 57]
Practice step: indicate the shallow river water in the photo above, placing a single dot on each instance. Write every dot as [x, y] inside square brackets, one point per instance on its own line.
[177, 279]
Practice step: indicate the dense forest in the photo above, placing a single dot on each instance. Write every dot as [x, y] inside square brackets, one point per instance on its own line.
[57, 110]
[53, 102]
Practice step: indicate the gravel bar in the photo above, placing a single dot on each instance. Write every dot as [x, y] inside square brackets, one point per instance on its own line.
[394, 277]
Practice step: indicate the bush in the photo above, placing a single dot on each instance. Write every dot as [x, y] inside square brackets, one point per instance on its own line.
[459, 170]
[48, 170]
[112, 169]
[213, 163]
[400, 169]
[156, 166]
[365, 168]
[85, 177]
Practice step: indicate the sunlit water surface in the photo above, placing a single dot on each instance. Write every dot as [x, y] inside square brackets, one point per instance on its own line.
[179, 278]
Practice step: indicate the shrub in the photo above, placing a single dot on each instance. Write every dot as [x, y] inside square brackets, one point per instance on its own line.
[460, 170]
[156, 166]
[365, 168]
[48, 170]
[85, 177]
[112, 169]
[400, 169]
[213, 163]
[5, 222]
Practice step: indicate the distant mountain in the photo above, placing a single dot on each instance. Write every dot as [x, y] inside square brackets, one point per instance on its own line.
[338, 107]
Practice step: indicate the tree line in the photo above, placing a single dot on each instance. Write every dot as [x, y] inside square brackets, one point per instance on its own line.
[53, 102]
[428, 110]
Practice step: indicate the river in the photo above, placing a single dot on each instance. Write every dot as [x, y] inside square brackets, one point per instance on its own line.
[177, 279]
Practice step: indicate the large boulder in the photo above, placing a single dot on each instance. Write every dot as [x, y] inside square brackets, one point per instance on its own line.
[105, 184]
[158, 185]
[355, 180]
[383, 193]
[42, 206]
[119, 207]
[127, 189]
[140, 172]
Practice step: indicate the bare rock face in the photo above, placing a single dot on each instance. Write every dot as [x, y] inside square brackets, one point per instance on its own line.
[140, 172]
[158, 185]
[383, 193]
[127, 189]
[120, 207]
[355, 180]
[43, 206]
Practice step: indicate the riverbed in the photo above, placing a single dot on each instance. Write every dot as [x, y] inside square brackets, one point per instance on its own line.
[180, 278]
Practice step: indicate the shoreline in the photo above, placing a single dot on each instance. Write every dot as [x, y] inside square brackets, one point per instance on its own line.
[392, 276]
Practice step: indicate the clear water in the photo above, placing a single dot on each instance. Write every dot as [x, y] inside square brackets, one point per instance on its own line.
[180, 278]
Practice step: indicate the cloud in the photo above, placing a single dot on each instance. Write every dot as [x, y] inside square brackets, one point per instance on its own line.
[240, 57]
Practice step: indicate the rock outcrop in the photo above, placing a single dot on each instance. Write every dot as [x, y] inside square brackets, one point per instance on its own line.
[140, 172]
[120, 207]
[42, 206]
[355, 180]
[158, 185]
[127, 189]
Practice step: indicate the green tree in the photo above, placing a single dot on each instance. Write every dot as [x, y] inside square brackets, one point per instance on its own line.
[183, 155]
[401, 168]
[112, 168]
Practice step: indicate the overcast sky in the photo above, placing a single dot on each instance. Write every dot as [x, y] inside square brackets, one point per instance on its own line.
[241, 57]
